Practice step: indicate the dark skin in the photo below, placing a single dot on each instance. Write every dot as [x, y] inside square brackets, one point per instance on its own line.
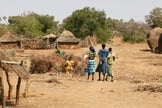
[92, 50]
[112, 78]
[99, 73]
[92, 76]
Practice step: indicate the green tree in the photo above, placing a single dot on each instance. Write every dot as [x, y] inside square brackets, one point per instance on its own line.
[87, 21]
[2, 30]
[132, 31]
[155, 18]
[33, 25]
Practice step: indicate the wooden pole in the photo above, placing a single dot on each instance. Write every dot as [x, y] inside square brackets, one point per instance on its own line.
[2, 90]
[28, 82]
[10, 86]
[18, 90]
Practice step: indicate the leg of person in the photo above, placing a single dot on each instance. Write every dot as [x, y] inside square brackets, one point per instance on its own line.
[112, 78]
[88, 75]
[107, 73]
[111, 73]
[92, 76]
[67, 72]
[70, 74]
[99, 76]
[106, 77]
[104, 70]
[103, 77]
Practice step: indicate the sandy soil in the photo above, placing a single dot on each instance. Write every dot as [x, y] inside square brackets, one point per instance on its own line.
[134, 66]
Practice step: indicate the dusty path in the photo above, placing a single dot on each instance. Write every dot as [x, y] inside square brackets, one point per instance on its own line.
[134, 66]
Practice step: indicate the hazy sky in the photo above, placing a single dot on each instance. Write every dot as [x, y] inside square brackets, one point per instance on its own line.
[60, 9]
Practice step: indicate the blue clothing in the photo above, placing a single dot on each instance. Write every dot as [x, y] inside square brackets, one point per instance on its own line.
[103, 54]
[102, 66]
[90, 67]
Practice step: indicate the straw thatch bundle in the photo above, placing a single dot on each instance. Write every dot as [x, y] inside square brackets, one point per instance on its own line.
[9, 37]
[19, 70]
[67, 36]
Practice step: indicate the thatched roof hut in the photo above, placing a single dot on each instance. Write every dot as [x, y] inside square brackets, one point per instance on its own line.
[50, 40]
[67, 40]
[49, 36]
[9, 40]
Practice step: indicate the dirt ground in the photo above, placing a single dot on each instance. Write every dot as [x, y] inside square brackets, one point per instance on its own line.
[134, 66]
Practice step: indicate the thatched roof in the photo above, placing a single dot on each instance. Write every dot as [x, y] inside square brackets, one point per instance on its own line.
[9, 37]
[19, 70]
[67, 36]
[49, 36]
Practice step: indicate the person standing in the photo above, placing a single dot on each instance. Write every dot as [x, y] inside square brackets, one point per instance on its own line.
[69, 66]
[91, 63]
[110, 62]
[102, 66]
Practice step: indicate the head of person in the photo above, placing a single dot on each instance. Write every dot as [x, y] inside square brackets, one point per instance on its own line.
[110, 49]
[92, 49]
[103, 46]
[70, 57]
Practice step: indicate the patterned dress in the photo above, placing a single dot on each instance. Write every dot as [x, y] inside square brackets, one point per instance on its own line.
[91, 64]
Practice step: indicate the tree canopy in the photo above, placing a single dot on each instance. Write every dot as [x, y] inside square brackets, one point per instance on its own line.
[33, 25]
[88, 21]
[155, 18]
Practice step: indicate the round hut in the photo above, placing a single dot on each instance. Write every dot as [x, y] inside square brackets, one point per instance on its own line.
[67, 40]
[9, 40]
[50, 40]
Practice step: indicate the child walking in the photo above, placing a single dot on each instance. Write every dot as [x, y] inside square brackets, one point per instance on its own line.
[69, 66]
[102, 66]
[110, 62]
[91, 63]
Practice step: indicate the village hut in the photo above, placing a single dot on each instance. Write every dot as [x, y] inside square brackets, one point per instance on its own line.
[7, 65]
[9, 40]
[50, 40]
[67, 40]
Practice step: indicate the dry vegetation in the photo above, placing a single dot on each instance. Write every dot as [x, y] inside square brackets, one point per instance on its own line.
[136, 70]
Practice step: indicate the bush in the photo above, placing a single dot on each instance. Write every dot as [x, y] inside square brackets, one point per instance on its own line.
[134, 39]
[42, 64]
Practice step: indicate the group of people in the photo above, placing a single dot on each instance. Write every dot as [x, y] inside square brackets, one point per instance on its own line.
[105, 65]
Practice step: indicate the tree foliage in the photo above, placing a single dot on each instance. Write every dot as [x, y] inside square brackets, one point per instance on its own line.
[155, 18]
[2, 30]
[88, 21]
[132, 31]
[33, 25]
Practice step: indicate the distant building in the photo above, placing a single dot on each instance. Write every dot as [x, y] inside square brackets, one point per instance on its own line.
[9, 40]
[67, 40]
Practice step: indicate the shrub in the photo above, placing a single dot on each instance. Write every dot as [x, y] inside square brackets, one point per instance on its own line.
[42, 64]
[134, 39]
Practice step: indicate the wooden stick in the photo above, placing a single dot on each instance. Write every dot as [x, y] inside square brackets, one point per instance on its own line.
[10, 62]
[28, 82]
[2, 90]
[18, 90]
[10, 86]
